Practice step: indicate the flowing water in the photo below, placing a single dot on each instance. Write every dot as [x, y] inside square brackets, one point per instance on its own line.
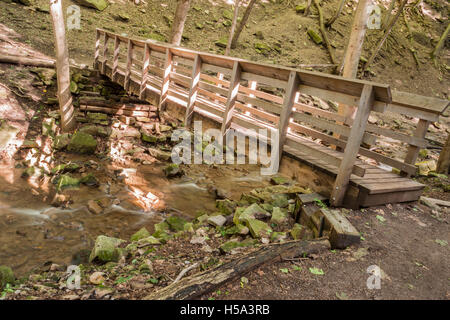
[33, 233]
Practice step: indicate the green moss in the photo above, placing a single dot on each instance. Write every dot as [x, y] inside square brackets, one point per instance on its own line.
[82, 143]
[314, 36]
[6, 276]
[141, 234]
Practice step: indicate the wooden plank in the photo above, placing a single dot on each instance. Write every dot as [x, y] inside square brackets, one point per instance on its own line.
[288, 102]
[144, 75]
[97, 47]
[354, 141]
[231, 99]
[115, 58]
[369, 200]
[128, 66]
[165, 80]
[193, 90]
[105, 52]
[386, 187]
[342, 232]
[413, 150]
[415, 101]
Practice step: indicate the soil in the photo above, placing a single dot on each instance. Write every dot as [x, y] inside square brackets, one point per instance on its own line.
[409, 242]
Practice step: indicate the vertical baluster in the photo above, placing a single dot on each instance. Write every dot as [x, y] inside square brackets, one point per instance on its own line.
[193, 90]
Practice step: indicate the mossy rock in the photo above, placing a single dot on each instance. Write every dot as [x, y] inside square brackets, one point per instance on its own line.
[279, 215]
[157, 37]
[280, 180]
[89, 180]
[299, 231]
[96, 4]
[199, 26]
[162, 236]
[263, 48]
[227, 14]
[95, 130]
[278, 237]
[300, 8]
[225, 206]
[32, 172]
[148, 137]
[63, 168]
[172, 170]
[314, 36]
[258, 229]
[6, 276]
[106, 249]
[66, 181]
[176, 223]
[222, 42]
[82, 143]
[141, 234]
[233, 244]
[241, 215]
[97, 117]
[61, 141]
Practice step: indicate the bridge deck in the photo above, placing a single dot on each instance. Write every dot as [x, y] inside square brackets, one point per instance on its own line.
[373, 186]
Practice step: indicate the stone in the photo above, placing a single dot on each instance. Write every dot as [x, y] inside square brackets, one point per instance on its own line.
[164, 128]
[298, 231]
[280, 180]
[217, 221]
[143, 119]
[82, 143]
[233, 244]
[94, 207]
[61, 141]
[127, 120]
[97, 278]
[146, 266]
[227, 14]
[158, 154]
[279, 216]
[225, 206]
[176, 223]
[95, 130]
[6, 276]
[131, 132]
[124, 17]
[150, 240]
[31, 172]
[278, 236]
[63, 168]
[27, 144]
[254, 211]
[258, 229]
[100, 5]
[148, 137]
[48, 127]
[141, 234]
[280, 200]
[314, 36]
[172, 170]
[89, 180]
[66, 181]
[300, 8]
[262, 48]
[106, 249]
[425, 167]
[222, 42]
[97, 117]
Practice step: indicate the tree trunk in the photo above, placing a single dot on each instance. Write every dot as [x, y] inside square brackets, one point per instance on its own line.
[179, 20]
[207, 281]
[233, 27]
[441, 42]
[336, 15]
[386, 34]
[62, 67]
[242, 24]
[349, 66]
[443, 165]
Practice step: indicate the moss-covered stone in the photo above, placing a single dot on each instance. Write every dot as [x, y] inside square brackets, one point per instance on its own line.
[222, 42]
[300, 8]
[61, 141]
[225, 206]
[106, 249]
[258, 229]
[314, 36]
[233, 244]
[280, 180]
[279, 216]
[95, 130]
[241, 215]
[141, 234]
[6, 276]
[280, 200]
[82, 143]
[278, 236]
[263, 48]
[150, 240]
[96, 4]
[89, 180]
[63, 168]
[66, 181]
[172, 170]
[299, 231]
[176, 223]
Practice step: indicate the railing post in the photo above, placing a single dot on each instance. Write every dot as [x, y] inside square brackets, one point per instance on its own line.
[115, 58]
[366, 102]
[193, 90]
[145, 66]
[130, 48]
[105, 52]
[165, 80]
[233, 91]
[288, 103]
[413, 151]
[97, 48]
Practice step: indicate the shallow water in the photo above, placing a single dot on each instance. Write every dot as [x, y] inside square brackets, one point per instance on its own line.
[33, 233]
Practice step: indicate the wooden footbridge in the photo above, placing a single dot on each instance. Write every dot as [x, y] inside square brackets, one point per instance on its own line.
[233, 92]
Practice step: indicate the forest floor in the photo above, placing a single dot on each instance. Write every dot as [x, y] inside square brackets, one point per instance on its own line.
[409, 242]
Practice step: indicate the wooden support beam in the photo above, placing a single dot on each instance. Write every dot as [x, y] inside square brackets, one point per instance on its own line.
[144, 75]
[129, 64]
[353, 143]
[286, 111]
[165, 80]
[231, 99]
[105, 52]
[115, 58]
[193, 90]
[413, 151]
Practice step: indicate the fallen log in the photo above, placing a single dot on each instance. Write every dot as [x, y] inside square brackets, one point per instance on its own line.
[115, 105]
[114, 111]
[207, 281]
[27, 61]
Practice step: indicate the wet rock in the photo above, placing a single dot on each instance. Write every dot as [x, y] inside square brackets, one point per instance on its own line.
[141, 234]
[6, 276]
[97, 117]
[258, 229]
[279, 216]
[27, 144]
[82, 143]
[217, 221]
[63, 168]
[172, 170]
[66, 181]
[94, 207]
[96, 4]
[176, 223]
[150, 240]
[158, 154]
[61, 141]
[89, 180]
[233, 244]
[106, 249]
[97, 277]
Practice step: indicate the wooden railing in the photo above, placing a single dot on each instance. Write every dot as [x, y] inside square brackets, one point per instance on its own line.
[234, 92]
